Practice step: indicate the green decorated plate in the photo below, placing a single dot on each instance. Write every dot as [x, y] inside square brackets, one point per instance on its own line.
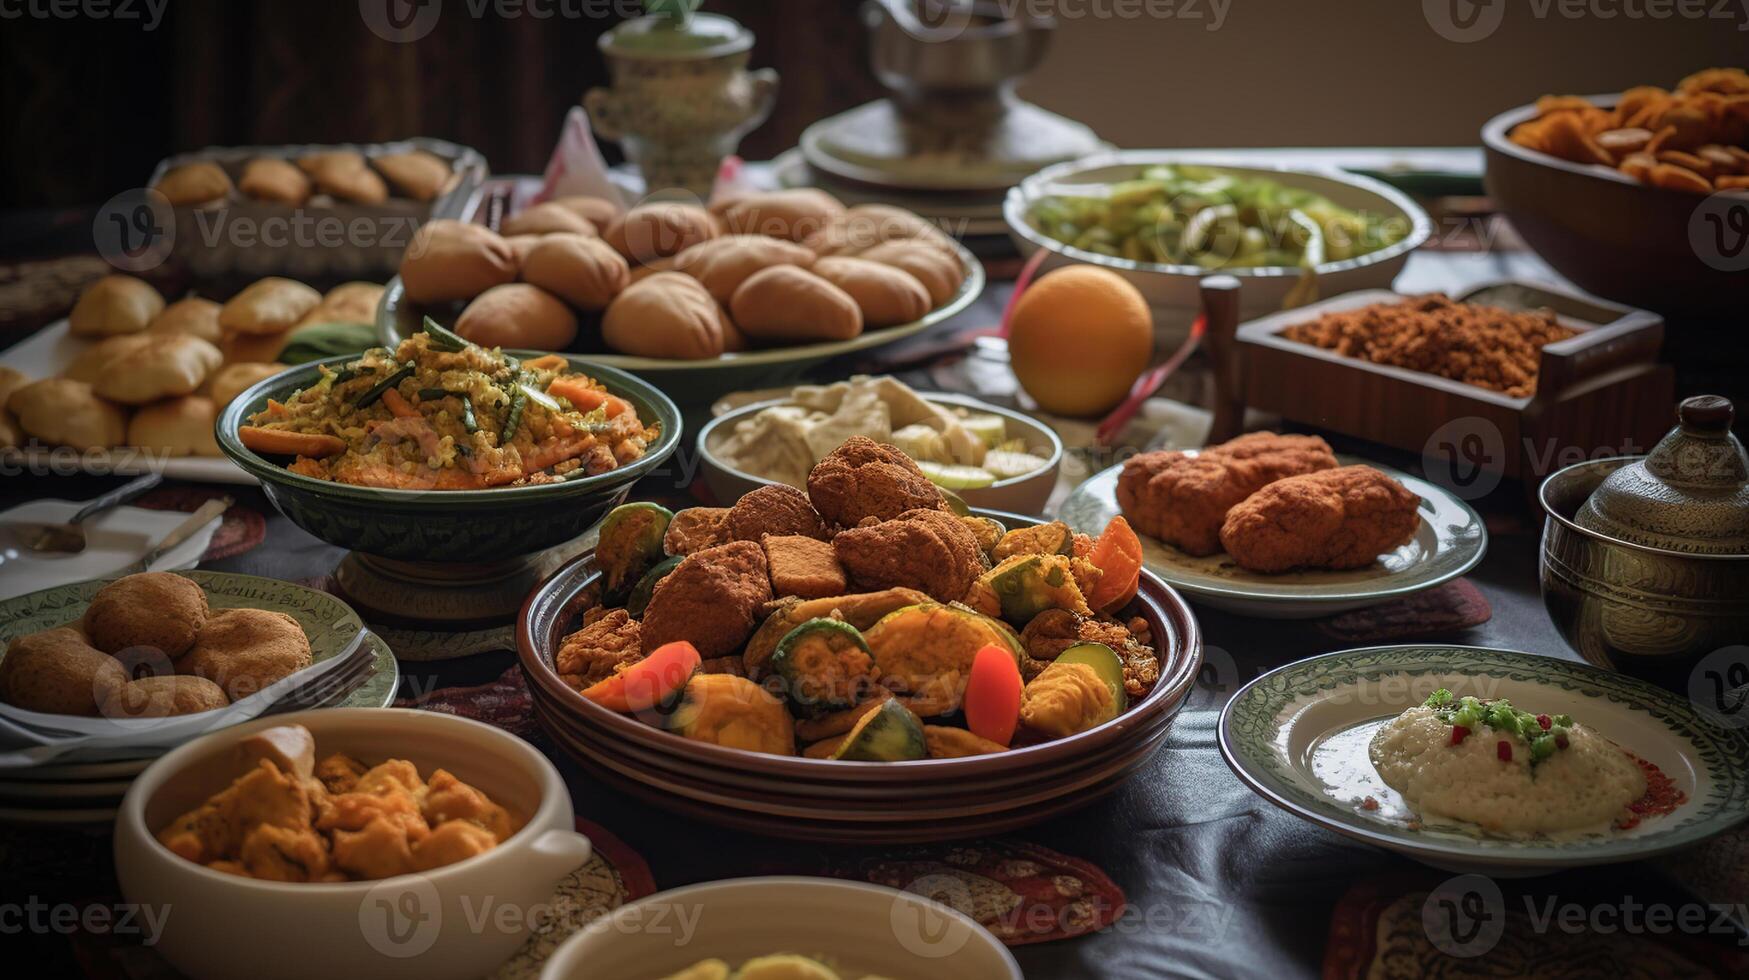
[1298, 736]
[1450, 542]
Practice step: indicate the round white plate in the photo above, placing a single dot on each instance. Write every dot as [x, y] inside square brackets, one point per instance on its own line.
[1450, 541]
[1298, 736]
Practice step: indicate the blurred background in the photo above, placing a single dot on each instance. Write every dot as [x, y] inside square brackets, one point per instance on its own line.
[88, 107]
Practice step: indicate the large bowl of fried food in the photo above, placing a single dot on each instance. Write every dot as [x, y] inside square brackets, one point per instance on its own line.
[858, 662]
[1637, 197]
[446, 451]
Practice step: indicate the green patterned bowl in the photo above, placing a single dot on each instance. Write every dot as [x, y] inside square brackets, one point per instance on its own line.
[1298, 736]
[457, 526]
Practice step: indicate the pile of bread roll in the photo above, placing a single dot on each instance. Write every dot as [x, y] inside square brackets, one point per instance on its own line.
[155, 375]
[678, 281]
[337, 175]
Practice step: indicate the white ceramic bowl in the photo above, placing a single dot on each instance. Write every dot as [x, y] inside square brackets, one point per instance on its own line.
[1018, 495]
[1171, 290]
[861, 929]
[462, 920]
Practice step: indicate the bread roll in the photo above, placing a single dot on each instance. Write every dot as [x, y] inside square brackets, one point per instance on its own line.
[163, 696]
[580, 270]
[270, 305]
[11, 433]
[253, 348]
[233, 379]
[655, 231]
[599, 211]
[886, 296]
[940, 272]
[87, 366]
[787, 305]
[345, 175]
[547, 219]
[114, 304]
[518, 316]
[176, 427]
[416, 174]
[166, 366]
[792, 215]
[57, 672]
[723, 264]
[273, 179]
[193, 184]
[349, 302]
[191, 315]
[64, 412]
[667, 314]
[451, 260]
[521, 245]
[867, 225]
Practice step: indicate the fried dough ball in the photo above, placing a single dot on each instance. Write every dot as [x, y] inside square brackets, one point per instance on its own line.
[721, 265]
[931, 551]
[774, 509]
[161, 610]
[163, 696]
[886, 295]
[193, 184]
[712, 600]
[1183, 499]
[57, 672]
[274, 179]
[245, 650]
[65, 412]
[597, 651]
[418, 174]
[655, 231]
[579, 269]
[548, 219]
[1341, 518]
[786, 304]
[600, 211]
[190, 315]
[791, 215]
[695, 529]
[115, 305]
[451, 260]
[864, 478]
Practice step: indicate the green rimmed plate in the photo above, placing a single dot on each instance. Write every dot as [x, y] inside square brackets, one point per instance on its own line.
[1298, 736]
[1450, 541]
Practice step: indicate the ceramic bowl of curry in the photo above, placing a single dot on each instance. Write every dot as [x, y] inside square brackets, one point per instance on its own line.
[414, 926]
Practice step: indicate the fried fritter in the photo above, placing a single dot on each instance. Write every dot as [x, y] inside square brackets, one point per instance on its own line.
[595, 652]
[863, 478]
[774, 509]
[161, 610]
[802, 566]
[245, 650]
[1055, 630]
[57, 672]
[1183, 499]
[163, 696]
[711, 600]
[931, 551]
[695, 529]
[1341, 518]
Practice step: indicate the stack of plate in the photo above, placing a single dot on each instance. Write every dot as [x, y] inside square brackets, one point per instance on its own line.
[799, 798]
[964, 213]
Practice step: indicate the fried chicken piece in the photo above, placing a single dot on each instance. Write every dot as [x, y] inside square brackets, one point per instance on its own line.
[455, 841]
[695, 529]
[339, 773]
[216, 828]
[711, 600]
[774, 509]
[931, 551]
[863, 478]
[1182, 499]
[1055, 630]
[802, 566]
[598, 650]
[282, 854]
[449, 799]
[381, 849]
[1341, 518]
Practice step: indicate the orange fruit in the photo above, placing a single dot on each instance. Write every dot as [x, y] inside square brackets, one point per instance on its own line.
[1078, 339]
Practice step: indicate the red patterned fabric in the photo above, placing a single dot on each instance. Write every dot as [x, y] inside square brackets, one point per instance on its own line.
[240, 530]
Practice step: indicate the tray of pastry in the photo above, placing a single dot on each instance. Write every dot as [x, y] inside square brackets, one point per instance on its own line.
[1512, 378]
[315, 212]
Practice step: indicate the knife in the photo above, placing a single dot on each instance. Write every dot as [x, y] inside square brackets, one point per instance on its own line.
[203, 516]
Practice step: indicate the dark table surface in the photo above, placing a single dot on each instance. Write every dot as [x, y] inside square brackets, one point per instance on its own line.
[1219, 882]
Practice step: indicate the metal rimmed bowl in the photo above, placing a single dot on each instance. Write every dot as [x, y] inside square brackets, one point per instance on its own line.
[1172, 290]
[853, 802]
[692, 383]
[1025, 494]
[1648, 612]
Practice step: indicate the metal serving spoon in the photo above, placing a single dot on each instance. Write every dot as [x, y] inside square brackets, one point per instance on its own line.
[69, 538]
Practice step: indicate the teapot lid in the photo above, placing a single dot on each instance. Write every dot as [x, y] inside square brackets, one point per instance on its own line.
[672, 29]
[1691, 493]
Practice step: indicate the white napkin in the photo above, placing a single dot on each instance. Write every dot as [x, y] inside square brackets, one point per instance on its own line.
[576, 166]
[113, 541]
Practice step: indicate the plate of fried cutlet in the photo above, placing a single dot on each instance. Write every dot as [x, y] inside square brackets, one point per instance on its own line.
[1279, 526]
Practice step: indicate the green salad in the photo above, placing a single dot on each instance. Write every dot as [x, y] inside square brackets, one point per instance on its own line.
[1187, 215]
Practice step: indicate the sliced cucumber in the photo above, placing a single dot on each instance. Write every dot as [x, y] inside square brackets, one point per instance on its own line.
[991, 429]
[824, 663]
[1105, 662]
[890, 733]
[954, 476]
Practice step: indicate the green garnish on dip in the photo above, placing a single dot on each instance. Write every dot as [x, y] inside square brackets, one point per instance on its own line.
[1545, 734]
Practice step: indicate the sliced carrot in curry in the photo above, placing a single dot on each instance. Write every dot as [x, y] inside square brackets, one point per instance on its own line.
[283, 442]
[587, 399]
[1118, 554]
[399, 406]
